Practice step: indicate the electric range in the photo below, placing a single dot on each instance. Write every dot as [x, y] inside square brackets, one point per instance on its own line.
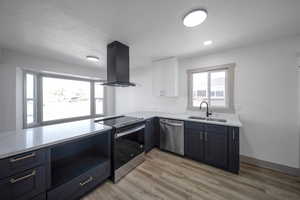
[128, 139]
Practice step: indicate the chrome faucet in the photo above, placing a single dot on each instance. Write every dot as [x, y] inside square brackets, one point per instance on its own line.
[207, 111]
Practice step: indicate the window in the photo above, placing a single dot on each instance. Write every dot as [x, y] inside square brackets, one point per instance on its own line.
[99, 98]
[52, 98]
[63, 98]
[30, 99]
[213, 85]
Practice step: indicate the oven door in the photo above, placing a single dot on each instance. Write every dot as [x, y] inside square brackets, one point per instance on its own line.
[128, 144]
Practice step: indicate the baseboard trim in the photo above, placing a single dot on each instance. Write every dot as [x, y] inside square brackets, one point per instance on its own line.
[270, 165]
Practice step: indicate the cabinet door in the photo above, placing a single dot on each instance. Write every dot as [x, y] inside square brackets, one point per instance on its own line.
[194, 146]
[156, 132]
[163, 85]
[234, 150]
[149, 135]
[216, 152]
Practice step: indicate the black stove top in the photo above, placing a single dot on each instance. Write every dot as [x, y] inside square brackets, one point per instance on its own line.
[118, 121]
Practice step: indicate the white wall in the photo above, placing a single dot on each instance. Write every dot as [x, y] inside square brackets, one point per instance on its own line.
[11, 66]
[298, 63]
[265, 97]
[1, 55]
[7, 98]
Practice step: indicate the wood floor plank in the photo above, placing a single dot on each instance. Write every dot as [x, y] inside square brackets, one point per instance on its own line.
[164, 176]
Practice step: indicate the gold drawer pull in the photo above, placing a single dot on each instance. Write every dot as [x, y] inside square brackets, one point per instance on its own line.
[12, 180]
[22, 158]
[86, 182]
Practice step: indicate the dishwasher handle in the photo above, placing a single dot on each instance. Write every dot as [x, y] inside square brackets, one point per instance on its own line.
[171, 123]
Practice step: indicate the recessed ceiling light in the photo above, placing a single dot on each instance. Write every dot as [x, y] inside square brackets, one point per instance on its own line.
[208, 42]
[93, 58]
[194, 17]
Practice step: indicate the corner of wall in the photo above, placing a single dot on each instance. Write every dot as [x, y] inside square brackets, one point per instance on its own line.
[19, 98]
[1, 55]
[110, 101]
[7, 98]
[298, 77]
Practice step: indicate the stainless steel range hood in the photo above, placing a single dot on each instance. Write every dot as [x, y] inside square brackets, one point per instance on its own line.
[118, 65]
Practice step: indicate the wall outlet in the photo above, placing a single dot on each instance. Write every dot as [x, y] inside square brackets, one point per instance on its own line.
[162, 93]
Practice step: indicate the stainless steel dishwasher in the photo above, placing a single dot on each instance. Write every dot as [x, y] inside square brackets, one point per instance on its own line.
[172, 136]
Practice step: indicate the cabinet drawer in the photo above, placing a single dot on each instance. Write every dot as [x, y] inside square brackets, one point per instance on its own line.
[194, 125]
[21, 162]
[24, 185]
[81, 184]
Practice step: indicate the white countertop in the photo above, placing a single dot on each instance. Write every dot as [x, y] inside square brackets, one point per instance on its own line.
[232, 119]
[16, 142]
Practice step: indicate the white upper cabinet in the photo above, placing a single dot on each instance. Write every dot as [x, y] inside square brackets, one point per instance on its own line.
[165, 77]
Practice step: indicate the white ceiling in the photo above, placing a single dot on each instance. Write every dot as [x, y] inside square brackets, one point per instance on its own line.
[68, 30]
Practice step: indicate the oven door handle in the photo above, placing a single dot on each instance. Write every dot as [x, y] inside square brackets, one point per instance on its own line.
[130, 131]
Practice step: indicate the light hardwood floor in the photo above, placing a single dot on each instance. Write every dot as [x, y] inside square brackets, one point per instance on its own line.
[167, 177]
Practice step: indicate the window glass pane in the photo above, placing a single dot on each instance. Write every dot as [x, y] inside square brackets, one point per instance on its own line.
[99, 90]
[29, 86]
[30, 111]
[200, 88]
[217, 87]
[63, 98]
[99, 106]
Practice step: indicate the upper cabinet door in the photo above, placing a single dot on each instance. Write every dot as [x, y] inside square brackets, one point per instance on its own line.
[165, 77]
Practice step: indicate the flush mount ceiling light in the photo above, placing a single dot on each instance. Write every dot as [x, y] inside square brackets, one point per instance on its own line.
[93, 58]
[207, 43]
[194, 17]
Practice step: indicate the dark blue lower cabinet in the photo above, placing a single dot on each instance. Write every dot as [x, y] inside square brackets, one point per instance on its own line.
[40, 197]
[61, 172]
[215, 145]
[194, 144]
[79, 166]
[21, 162]
[234, 150]
[82, 184]
[149, 135]
[152, 134]
[216, 148]
[24, 185]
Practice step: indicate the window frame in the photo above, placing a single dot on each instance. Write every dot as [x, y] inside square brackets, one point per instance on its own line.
[34, 99]
[38, 92]
[229, 87]
[94, 108]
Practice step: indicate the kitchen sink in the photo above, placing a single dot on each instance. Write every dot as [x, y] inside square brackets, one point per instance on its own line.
[196, 117]
[208, 119]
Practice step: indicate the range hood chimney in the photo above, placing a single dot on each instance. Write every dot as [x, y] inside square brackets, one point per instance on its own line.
[118, 65]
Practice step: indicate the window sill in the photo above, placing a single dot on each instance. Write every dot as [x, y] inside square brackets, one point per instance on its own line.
[46, 123]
